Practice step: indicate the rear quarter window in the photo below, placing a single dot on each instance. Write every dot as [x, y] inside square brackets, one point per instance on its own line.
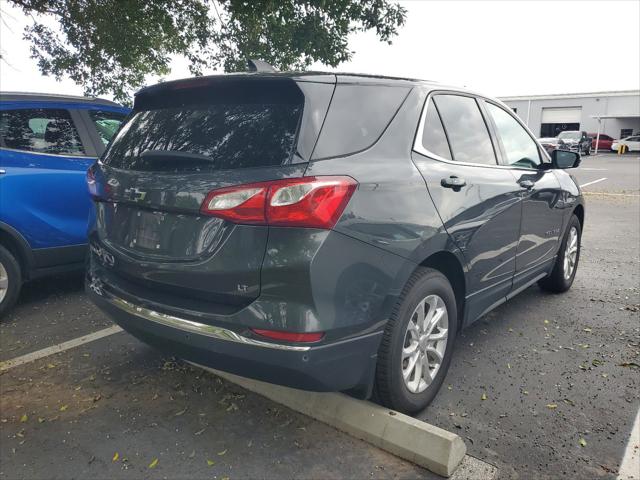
[357, 117]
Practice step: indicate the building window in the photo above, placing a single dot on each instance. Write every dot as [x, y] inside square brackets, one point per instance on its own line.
[626, 132]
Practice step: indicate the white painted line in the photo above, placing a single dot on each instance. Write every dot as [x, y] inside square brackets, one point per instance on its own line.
[61, 347]
[406, 437]
[630, 466]
[591, 183]
[593, 169]
[605, 194]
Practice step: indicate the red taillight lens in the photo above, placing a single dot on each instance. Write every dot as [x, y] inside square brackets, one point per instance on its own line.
[241, 204]
[290, 336]
[313, 202]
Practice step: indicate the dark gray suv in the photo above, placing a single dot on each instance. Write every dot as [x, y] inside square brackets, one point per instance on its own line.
[321, 231]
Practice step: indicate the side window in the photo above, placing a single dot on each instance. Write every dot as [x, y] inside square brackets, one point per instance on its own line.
[106, 123]
[433, 137]
[520, 149]
[467, 133]
[40, 130]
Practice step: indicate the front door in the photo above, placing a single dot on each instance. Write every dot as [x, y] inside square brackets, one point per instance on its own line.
[542, 211]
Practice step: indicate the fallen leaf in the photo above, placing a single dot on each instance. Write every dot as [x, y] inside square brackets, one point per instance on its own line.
[192, 454]
[546, 322]
[63, 408]
[552, 406]
[50, 365]
[181, 412]
[483, 397]
[583, 442]
[200, 431]
[629, 364]
[24, 418]
[222, 452]
[232, 407]
[508, 365]
[116, 456]
[153, 463]
[211, 463]
[588, 330]
[40, 420]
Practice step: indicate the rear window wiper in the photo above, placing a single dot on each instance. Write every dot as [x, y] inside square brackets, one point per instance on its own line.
[174, 159]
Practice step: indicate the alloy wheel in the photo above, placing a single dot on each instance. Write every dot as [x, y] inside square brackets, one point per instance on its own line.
[571, 253]
[4, 282]
[425, 342]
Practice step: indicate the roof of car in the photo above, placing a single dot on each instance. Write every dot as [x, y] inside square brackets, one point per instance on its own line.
[52, 97]
[308, 76]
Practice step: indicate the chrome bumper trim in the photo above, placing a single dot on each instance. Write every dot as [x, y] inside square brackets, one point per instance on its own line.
[185, 325]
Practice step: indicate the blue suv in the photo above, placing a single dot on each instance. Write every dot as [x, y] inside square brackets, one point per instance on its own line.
[47, 143]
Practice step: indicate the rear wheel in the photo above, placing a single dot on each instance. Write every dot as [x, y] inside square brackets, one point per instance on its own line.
[10, 280]
[564, 270]
[417, 345]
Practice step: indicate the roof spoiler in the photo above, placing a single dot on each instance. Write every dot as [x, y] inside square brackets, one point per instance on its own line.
[259, 66]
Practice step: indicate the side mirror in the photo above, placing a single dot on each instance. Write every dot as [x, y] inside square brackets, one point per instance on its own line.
[565, 159]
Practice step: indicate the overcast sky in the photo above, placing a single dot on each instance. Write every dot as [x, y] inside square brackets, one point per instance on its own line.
[499, 48]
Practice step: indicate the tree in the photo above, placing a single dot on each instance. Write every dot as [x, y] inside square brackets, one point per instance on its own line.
[110, 46]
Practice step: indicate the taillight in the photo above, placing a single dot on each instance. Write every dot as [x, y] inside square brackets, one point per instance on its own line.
[289, 336]
[313, 202]
[91, 182]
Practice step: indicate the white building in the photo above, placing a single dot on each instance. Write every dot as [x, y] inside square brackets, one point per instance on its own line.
[616, 114]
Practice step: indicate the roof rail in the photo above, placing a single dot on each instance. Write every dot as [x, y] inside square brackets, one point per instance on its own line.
[260, 66]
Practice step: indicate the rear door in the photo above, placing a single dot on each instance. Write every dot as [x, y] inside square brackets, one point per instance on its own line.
[182, 141]
[44, 156]
[478, 201]
[542, 201]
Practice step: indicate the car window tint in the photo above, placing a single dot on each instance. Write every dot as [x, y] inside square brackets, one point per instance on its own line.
[519, 147]
[106, 123]
[42, 130]
[357, 117]
[433, 137]
[468, 135]
[206, 137]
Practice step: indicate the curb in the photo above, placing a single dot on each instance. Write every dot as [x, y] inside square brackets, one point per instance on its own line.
[406, 437]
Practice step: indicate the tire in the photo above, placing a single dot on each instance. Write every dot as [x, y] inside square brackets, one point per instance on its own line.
[558, 281]
[10, 280]
[391, 388]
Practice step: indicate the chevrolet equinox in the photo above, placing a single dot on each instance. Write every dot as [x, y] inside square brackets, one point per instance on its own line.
[328, 232]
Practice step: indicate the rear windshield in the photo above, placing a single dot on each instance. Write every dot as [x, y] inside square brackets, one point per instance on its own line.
[204, 138]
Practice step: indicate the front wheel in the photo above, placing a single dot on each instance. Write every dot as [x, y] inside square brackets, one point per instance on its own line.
[10, 280]
[417, 344]
[564, 270]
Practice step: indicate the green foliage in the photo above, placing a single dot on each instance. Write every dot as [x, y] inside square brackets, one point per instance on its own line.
[110, 46]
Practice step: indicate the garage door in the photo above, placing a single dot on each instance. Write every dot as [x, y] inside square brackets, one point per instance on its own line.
[561, 115]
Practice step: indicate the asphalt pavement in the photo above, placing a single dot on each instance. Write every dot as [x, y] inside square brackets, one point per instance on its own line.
[545, 386]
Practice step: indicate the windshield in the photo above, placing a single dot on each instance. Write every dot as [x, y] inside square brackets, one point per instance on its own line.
[570, 135]
[218, 136]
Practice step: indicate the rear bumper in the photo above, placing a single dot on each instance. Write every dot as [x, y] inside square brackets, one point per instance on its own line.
[341, 365]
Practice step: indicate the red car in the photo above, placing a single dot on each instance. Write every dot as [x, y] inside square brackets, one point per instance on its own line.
[604, 143]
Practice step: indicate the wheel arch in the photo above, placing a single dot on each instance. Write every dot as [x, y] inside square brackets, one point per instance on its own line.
[11, 239]
[451, 267]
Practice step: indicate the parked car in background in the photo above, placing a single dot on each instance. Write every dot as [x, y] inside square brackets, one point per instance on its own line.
[604, 142]
[632, 143]
[47, 142]
[322, 231]
[575, 141]
[549, 143]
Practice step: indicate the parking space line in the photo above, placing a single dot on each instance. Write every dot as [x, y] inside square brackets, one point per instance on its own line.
[593, 169]
[630, 466]
[591, 183]
[61, 347]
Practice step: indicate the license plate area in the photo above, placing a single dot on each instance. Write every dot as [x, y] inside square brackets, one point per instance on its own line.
[147, 231]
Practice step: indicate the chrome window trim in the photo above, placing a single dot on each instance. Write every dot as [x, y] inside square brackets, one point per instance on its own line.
[419, 148]
[30, 152]
[186, 325]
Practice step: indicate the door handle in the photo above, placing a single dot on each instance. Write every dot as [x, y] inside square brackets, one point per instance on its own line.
[528, 184]
[453, 182]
